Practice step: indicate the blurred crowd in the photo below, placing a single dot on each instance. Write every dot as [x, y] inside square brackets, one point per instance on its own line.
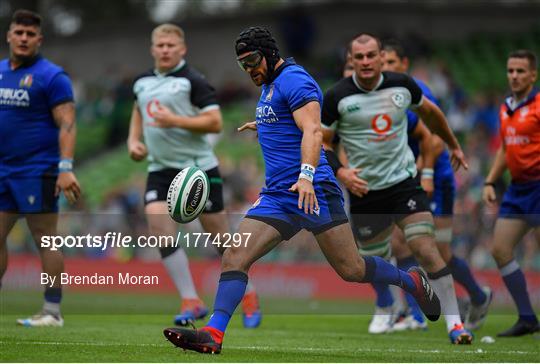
[474, 119]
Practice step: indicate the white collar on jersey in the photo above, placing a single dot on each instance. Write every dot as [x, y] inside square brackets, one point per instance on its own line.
[355, 80]
[513, 103]
[178, 66]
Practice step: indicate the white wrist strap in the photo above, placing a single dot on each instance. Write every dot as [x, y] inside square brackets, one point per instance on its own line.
[307, 171]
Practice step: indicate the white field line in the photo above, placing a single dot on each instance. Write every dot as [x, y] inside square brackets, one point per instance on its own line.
[277, 349]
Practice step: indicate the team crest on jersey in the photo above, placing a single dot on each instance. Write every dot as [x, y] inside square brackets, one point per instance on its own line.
[398, 99]
[270, 94]
[31, 199]
[523, 112]
[175, 86]
[411, 204]
[256, 203]
[26, 81]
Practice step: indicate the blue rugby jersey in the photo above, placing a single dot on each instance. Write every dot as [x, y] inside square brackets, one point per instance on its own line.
[29, 134]
[443, 167]
[280, 138]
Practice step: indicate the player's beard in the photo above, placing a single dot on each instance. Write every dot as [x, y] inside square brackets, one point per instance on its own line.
[261, 79]
[23, 59]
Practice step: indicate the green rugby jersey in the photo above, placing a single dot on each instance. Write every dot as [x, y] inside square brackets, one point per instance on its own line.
[187, 93]
[372, 126]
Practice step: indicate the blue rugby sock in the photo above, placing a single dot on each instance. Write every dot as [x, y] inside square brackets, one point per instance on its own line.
[517, 286]
[405, 264]
[53, 294]
[462, 274]
[379, 270]
[384, 295]
[231, 289]
[53, 297]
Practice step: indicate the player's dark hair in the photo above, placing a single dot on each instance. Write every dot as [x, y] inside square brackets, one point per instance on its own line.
[361, 37]
[393, 45]
[259, 38]
[527, 54]
[26, 17]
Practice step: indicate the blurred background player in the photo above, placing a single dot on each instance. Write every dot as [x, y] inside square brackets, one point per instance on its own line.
[175, 109]
[428, 148]
[520, 207]
[370, 110]
[386, 310]
[37, 124]
[301, 192]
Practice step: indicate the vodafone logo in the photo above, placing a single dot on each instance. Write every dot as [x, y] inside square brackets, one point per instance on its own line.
[151, 107]
[381, 123]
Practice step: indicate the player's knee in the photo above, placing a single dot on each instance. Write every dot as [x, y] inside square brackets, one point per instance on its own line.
[425, 252]
[235, 259]
[445, 251]
[352, 273]
[501, 254]
[382, 248]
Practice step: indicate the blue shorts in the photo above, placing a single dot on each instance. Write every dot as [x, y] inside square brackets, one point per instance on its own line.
[522, 201]
[279, 209]
[442, 202]
[29, 194]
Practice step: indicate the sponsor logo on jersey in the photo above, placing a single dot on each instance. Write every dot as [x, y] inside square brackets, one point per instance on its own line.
[511, 138]
[151, 107]
[14, 97]
[265, 114]
[398, 99]
[270, 94]
[151, 195]
[365, 231]
[381, 123]
[26, 81]
[353, 108]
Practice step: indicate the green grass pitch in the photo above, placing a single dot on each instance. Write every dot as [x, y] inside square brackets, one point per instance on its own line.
[128, 328]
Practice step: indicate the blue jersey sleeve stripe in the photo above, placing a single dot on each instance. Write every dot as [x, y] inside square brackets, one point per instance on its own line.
[303, 103]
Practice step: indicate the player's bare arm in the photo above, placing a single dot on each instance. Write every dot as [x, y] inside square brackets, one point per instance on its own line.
[347, 176]
[426, 160]
[136, 148]
[309, 121]
[437, 123]
[64, 116]
[206, 122]
[496, 171]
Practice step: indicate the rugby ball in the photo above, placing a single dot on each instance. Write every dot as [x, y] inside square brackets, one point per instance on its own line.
[188, 194]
